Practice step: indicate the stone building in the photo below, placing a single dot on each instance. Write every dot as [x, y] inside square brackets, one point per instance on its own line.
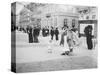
[60, 19]
[88, 16]
[56, 15]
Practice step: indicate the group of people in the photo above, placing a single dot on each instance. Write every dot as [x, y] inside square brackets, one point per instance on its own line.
[52, 31]
[33, 34]
[69, 39]
[45, 31]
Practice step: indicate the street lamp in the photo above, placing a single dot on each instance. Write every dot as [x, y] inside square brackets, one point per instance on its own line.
[48, 16]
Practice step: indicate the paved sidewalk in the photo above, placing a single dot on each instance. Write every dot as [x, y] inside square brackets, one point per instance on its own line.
[35, 56]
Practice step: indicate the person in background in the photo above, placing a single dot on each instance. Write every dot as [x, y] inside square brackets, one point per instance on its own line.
[88, 34]
[52, 33]
[30, 35]
[43, 32]
[46, 31]
[27, 29]
[56, 34]
[36, 34]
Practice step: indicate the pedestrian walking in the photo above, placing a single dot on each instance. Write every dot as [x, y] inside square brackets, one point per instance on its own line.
[30, 35]
[56, 34]
[36, 32]
[52, 33]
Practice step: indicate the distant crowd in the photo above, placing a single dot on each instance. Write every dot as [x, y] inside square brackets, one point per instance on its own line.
[69, 37]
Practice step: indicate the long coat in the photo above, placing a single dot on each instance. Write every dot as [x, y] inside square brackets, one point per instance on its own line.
[36, 34]
[52, 32]
[62, 38]
[30, 35]
[88, 34]
[56, 34]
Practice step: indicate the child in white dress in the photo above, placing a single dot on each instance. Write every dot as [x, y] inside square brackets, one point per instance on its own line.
[50, 46]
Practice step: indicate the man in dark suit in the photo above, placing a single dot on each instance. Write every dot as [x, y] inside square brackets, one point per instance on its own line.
[30, 35]
[56, 34]
[52, 33]
[43, 32]
[88, 34]
[36, 34]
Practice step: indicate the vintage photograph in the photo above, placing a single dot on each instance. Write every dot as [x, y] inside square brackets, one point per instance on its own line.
[53, 37]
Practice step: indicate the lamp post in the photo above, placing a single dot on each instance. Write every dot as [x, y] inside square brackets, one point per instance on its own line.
[48, 16]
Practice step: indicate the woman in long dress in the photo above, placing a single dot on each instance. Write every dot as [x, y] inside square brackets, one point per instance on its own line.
[62, 37]
[76, 38]
[68, 44]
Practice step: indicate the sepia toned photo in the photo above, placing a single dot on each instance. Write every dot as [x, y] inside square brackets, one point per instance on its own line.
[53, 37]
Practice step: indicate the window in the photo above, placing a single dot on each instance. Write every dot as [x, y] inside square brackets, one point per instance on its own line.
[93, 16]
[87, 17]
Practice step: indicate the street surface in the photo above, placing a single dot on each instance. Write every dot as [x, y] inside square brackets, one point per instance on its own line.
[35, 56]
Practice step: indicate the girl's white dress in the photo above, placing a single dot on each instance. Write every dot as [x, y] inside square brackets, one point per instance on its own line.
[50, 46]
[65, 48]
